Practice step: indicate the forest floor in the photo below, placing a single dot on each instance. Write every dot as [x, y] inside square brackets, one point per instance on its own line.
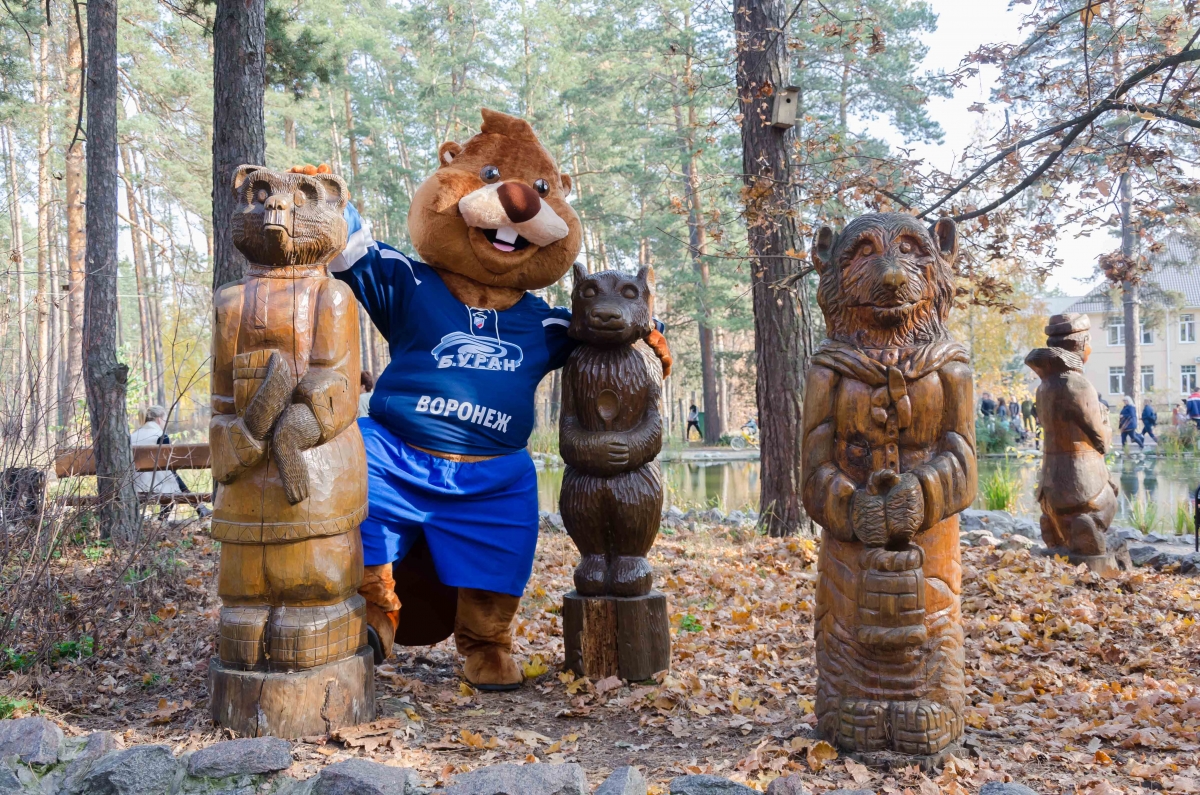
[1077, 685]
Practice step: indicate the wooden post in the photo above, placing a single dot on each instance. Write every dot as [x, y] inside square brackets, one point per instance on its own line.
[607, 636]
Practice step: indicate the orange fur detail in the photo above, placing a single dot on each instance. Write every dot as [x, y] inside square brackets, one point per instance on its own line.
[658, 344]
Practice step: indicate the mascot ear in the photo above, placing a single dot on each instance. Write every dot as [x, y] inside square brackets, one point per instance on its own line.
[566, 183]
[578, 276]
[822, 248]
[945, 232]
[447, 152]
[239, 176]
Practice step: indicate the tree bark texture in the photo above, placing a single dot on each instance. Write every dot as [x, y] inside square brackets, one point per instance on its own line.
[105, 377]
[17, 260]
[76, 238]
[42, 398]
[1129, 295]
[780, 350]
[239, 75]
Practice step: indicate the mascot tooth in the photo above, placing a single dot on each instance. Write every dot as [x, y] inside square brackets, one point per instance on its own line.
[449, 540]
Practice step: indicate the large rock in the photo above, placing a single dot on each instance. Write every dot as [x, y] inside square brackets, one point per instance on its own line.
[1027, 528]
[995, 522]
[10, 783]
[623, 781]
[83, 752]
[360, 777]
[707, 785]
[1011, 788]
[536, 779]
[250, 755]
[1116, 535]
[1015, 542]
[711, 516]
[36, 741]
[788, 785]
[1141, 556]
[550, 522]
[144, 770]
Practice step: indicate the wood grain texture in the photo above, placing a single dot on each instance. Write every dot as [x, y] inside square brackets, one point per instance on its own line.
[1077, 494]
[293, 705]
[149, 458]
[286, 450]
[613, 636]
[888, 463]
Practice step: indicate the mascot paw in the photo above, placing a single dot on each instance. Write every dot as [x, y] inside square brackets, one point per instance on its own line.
[492, 669]
[658, 344]
[381, 630]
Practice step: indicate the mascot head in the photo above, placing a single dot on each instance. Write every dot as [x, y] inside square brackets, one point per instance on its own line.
[496, 211]
[887, 281]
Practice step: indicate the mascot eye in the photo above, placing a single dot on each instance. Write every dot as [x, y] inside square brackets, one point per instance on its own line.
[541, 186]
[489, 174]
[629, 291]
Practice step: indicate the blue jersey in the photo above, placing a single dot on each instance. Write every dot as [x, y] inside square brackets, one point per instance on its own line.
[461, 379]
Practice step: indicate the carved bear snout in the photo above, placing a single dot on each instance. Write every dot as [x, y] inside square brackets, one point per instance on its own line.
[277, 211]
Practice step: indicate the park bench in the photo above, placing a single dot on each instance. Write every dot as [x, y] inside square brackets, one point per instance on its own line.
[148, 458]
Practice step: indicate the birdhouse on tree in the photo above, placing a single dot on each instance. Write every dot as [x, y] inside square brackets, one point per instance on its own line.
[783, 113]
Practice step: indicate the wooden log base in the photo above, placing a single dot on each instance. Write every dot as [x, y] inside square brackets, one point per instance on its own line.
[627, 637]
[293, 705]
[890, 760]
[1107, 565]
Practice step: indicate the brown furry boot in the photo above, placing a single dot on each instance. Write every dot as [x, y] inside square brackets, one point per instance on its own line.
[383, 609]
[483, 634]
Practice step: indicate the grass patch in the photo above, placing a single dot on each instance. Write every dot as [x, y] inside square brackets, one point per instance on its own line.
[1001, 489]
[1143, 515]
[11, 706]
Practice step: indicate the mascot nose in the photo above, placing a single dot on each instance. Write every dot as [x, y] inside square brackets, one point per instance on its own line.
[521, 202]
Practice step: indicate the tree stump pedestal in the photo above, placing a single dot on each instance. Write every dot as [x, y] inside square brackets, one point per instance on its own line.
[1106, 565]
[626, 637]
[295, 704]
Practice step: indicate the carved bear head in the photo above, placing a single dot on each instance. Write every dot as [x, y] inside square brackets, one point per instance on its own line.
[496, 211]
[886, 280]
[611, 308]
[288, 219]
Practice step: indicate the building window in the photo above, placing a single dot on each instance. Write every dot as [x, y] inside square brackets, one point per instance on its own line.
[1116, 331]
[1116, 380]
[1147, 378]
[1187, 379]
[1147, 335]
[1187, 328]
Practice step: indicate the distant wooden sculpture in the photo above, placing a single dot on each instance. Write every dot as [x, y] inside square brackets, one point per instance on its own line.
[888, 463]
[1077, 494]
[610, 433]
[286, 451]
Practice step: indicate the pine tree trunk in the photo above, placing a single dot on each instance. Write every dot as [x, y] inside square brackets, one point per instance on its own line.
[105, 377]
[239, 64]
[780, 346]
[72, 388]
[139, 275]
[1130, 295]
[41, 395]
[17, 260]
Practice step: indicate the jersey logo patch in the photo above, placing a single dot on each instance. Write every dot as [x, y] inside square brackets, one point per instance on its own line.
[480, 346]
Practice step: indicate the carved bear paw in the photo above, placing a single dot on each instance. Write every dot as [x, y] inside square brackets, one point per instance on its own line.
[630, 576]
[591, 575]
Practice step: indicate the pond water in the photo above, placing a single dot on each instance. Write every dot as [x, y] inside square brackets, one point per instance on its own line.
[733, 485]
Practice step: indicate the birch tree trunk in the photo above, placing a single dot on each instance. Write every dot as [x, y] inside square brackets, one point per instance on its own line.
[780, 341]
[17, 263]
[105, 377]
[239, 77]
[72, 389]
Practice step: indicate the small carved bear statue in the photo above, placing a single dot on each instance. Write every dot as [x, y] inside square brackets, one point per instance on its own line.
[286, 450]
[610, 432]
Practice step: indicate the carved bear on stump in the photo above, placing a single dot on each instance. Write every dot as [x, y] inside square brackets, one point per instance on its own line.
[1077, 494]
[610, 432]
[291, 469]
[888, 463]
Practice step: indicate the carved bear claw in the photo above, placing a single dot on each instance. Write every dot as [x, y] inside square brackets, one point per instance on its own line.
[296, 431]
[270, 399]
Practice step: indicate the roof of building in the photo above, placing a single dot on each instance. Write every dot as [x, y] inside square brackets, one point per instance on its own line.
[1174, 269]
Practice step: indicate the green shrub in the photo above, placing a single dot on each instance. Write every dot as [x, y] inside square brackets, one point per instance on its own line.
[1185, 520]
[1001, 489]
[993, 435]
[10, 706]
[1143, 515]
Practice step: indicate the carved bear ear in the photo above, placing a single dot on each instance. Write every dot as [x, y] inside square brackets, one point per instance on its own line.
[822, 248]
[645, 277]
[336, 191]
[578, 276]
[239, 177]
[447, 152]
[945, 232]
[566, 183]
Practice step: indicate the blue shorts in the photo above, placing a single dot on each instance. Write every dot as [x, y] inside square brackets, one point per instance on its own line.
[480, 520]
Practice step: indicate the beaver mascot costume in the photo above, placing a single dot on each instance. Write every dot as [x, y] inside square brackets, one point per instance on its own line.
[450, 535]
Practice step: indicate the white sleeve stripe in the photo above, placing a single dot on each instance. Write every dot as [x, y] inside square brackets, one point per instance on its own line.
[556, 321]
[357, 246]
[387, 253]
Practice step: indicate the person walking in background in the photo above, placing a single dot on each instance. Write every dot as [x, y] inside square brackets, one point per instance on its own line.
[1128, 424]
[693, 421]
[366, 387]
[1001, 408]
[1193, 407]
[1149, 420]
[1179, 414]
[987, 406]
[1027, 415]
[1014, 408]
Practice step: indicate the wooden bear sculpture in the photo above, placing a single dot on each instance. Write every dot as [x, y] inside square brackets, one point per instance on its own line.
[888, 462]
[610, 433]
[289, 461]
[1077, 494]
